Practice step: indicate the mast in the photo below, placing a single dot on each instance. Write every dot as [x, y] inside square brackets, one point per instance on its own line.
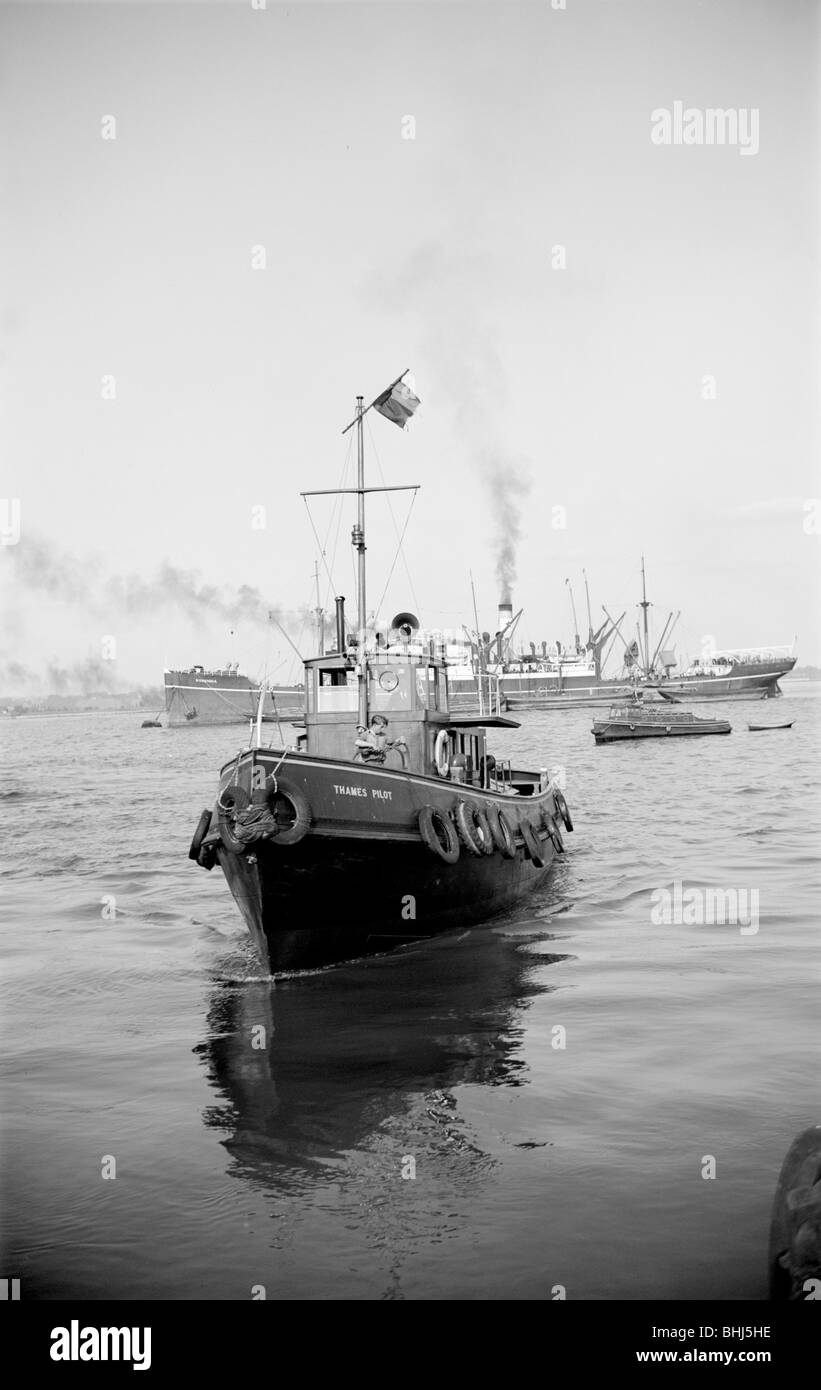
[589, 614]
[358, 541]
[358, 534]
[359, 531]
[575, 619]
[644, 605]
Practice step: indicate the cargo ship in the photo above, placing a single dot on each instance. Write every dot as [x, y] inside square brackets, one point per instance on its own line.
[225, 696]
[561, 677]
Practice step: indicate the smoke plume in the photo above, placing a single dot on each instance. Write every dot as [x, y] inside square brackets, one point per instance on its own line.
[508, 485]
[87, 677]
[39, 567]
[450, 292]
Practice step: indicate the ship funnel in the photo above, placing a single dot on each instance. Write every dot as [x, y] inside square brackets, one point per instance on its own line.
[340, 623]
[403, 626]
[504, 616]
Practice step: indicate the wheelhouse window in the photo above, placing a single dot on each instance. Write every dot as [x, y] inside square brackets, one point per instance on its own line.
[430, 688]
[336, 690]
[389, 688]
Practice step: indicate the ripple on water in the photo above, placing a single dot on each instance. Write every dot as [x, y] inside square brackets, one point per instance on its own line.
[134, 1037]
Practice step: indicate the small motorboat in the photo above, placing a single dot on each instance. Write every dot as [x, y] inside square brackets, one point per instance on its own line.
[636, 720]
[759, 728]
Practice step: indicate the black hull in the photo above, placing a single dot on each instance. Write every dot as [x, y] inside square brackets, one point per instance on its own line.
[328, 899]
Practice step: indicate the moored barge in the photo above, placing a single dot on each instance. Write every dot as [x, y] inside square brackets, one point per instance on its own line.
[638, 721]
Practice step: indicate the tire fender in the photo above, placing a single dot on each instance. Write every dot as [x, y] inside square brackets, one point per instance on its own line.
[473, 827]
[561, 807]
[553, 831]
[303, 817]
[502, 832]
[429, 818]
[532, 844]
[199, 835]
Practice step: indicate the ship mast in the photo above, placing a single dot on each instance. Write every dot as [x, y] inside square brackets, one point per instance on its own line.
[358, 534]
[358, 542]
[644, 605]
[575, 619]
[589, 614]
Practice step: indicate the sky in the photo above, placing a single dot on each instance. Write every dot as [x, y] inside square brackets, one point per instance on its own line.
[615, 341]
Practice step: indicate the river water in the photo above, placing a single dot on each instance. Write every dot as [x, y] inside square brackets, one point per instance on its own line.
[526, 1109]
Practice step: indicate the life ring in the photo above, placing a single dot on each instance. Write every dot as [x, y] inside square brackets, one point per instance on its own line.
[439, 834]
[230, 801]
[532, 844]
[502, 832]
[473, 827]
[561, 806]
[554, 832]
[302, 818]
[441, 752]
[199, 834]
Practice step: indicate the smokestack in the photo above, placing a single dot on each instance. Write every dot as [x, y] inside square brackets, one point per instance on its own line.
[504, 616]
[340, 623]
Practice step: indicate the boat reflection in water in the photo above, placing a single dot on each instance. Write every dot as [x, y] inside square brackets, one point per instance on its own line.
[353, 1072]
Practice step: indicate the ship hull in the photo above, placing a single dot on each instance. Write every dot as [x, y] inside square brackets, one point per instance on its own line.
[222, 698]
[748, 681]
[362, 880]
[755, 685]
[544, 691]
[590, 697]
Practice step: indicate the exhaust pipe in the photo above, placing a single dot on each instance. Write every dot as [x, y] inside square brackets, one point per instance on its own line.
[340, 624]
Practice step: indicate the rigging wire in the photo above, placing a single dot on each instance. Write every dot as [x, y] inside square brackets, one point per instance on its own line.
[338, 524]
[320, 546]
[395, 558]
[400, 548]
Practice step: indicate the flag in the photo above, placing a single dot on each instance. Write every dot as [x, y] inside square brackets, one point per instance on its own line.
[398, 403]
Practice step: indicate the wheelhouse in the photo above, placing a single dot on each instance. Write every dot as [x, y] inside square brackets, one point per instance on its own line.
[407, 723]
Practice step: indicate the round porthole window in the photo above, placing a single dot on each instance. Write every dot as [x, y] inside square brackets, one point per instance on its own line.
[389, 680]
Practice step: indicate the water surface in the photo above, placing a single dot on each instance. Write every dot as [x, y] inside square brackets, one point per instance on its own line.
[131, 998]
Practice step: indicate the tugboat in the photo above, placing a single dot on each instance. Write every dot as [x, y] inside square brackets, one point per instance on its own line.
[637, 720]
[387, 820]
